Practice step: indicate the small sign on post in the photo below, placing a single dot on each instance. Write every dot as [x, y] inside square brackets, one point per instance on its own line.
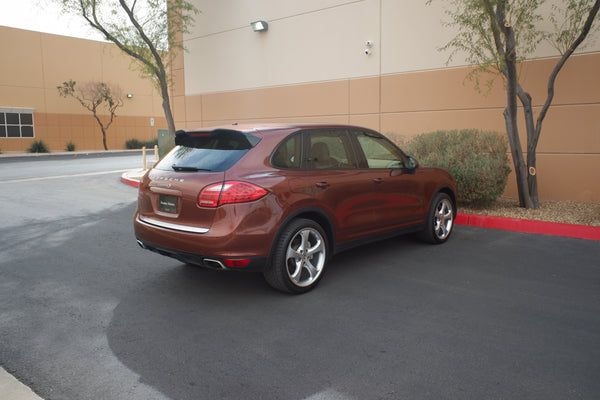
[151, 121]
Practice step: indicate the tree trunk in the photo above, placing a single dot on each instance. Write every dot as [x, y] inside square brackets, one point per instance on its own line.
[104, 139]
[166, 104]
[517, 156]
[102, 129]
[510, 117]
[531, 145]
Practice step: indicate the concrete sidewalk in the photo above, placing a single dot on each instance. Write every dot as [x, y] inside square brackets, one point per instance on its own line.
[6, 157]
[12, 389]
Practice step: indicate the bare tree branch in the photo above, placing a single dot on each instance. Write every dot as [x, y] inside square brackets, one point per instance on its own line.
[95, 97]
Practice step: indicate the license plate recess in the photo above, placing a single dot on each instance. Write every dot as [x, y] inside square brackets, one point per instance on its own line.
[167, 203]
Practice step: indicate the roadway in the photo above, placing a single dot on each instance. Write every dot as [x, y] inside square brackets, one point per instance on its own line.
[86, 314]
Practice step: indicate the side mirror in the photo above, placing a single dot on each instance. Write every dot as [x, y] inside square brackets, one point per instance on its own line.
[411, 163]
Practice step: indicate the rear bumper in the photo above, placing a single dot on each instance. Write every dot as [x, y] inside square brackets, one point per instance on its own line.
[256, 264]
[208, 248]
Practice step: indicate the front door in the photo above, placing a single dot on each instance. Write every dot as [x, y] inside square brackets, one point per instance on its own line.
[395, 189]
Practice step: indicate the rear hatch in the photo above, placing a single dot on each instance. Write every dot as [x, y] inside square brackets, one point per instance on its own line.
[169, 193]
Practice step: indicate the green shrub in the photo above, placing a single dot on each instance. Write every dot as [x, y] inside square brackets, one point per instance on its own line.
[70, 146]
[133, 144]
[137, 144]
[38, 147]
[477, 159]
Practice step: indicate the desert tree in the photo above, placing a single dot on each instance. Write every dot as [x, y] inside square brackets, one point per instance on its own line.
[146, 30]
[495, 36]
[100, 98]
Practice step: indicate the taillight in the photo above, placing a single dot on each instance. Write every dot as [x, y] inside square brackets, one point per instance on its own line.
[141, 187]
[229, 192]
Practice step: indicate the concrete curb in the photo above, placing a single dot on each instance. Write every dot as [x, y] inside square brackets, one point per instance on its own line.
[11, 388]
[133, 178]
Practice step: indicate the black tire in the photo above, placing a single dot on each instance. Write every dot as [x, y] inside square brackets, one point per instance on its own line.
[299, 257]
[440, 219]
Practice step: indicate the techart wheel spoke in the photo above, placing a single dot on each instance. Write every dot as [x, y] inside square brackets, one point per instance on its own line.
[295, 275]
[311, 269]
[317, 248]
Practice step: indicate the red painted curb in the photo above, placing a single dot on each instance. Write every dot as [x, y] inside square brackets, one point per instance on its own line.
[128, 181]
[529, 226]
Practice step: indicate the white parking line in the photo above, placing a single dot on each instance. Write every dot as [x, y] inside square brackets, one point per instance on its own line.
[329, 394]
[43, 178]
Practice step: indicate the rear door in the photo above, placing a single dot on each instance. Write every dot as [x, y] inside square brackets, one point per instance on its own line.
[336, 183]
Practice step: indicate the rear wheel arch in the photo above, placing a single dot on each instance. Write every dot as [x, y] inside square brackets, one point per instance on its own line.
[313, 213]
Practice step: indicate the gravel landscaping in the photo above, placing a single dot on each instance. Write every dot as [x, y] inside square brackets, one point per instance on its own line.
[564, 211]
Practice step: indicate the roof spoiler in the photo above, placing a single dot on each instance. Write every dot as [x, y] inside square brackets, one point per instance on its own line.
[197, 138]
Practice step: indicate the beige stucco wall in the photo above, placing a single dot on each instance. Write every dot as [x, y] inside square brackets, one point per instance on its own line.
[319, 40]
[307, 41]
[310, 66]
[34, 64]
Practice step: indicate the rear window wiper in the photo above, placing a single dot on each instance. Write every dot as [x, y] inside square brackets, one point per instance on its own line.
[183, 168]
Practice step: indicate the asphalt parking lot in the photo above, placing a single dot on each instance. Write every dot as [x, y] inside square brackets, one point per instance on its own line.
[86, 314]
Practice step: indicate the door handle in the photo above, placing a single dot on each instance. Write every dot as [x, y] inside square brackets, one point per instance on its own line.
[378, 180]
[322, 185]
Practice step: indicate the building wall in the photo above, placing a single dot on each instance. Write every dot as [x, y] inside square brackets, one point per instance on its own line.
[311, 66]
[34, 64]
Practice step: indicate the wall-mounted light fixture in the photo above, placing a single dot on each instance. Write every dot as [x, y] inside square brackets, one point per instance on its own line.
[259, 26]
[129, 95]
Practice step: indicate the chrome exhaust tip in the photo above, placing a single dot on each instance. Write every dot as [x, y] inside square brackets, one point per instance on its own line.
[141, 244]
[216, 264]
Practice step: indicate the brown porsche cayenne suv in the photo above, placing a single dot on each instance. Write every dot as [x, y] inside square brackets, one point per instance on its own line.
[282, 199]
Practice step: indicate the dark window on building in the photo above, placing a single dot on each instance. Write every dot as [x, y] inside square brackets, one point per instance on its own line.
[16, 123]
[26, 131]
[13, 131]
[12, 118]
[26, 119]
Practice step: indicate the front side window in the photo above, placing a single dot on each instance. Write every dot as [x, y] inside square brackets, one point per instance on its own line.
[379, 152]
[16, 123]
[330, 149]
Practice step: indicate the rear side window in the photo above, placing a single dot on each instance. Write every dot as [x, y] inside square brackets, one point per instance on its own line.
[330, 149]
[213, 151]
[289, 153]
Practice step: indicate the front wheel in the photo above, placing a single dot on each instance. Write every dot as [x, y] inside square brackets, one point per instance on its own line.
[299, 257]
[440, 219]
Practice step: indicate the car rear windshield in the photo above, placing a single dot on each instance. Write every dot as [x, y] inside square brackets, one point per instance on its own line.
[214, 151]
